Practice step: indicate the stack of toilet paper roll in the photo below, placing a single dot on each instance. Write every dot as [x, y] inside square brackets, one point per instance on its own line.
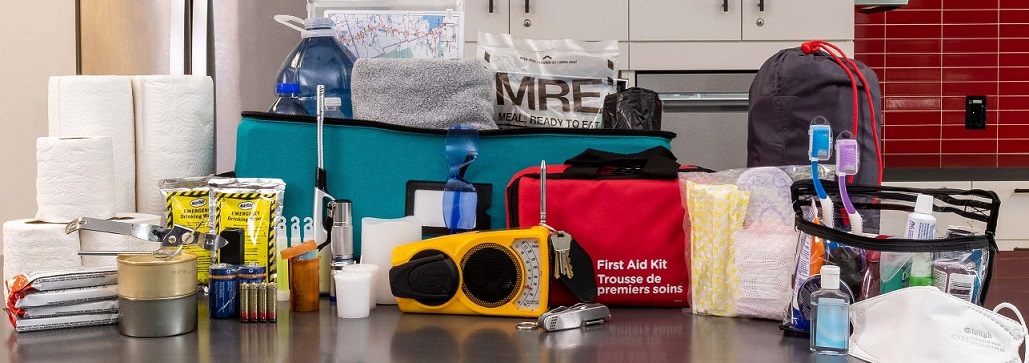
[111, 139]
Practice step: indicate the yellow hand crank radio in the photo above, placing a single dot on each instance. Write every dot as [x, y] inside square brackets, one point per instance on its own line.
[500, 273]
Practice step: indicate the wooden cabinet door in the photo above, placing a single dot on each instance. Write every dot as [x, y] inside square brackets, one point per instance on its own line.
[684, 20]
[798, 19]
[479, 16]
[570, 19]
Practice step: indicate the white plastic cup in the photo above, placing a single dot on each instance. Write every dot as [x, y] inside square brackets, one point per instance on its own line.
[353, 289]
[369, 268]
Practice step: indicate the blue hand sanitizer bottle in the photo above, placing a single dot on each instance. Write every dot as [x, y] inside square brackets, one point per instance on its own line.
[830, 323]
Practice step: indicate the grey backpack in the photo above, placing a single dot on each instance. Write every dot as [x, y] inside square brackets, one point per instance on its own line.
[793, 87]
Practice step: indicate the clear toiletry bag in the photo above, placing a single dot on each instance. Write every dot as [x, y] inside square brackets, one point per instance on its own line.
[954, 252]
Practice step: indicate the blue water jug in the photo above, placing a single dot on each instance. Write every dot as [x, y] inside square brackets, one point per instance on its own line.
[319, 59]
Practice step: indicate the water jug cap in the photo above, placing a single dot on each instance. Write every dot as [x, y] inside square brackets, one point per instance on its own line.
[284, 88]
[318, 23]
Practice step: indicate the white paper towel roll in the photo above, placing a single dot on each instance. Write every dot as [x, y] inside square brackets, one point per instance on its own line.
[99, 106]
[174, 133]
[34, 246]
[378, 238]
[74, 178]
[99, 241]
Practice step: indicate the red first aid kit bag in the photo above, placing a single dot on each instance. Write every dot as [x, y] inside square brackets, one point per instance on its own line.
[625, 211]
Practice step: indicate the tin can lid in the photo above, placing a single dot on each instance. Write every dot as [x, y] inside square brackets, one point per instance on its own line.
[150, 260]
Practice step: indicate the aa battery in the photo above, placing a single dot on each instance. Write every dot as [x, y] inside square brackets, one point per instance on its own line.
[262, 303]
[271, 299]
[244, 302]
[253, 302]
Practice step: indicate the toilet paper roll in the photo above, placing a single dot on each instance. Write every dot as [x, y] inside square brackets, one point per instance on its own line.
[74, 178]
[378, 238]
[100, 241]
[99, 106]
[174, 133]
[35, 246]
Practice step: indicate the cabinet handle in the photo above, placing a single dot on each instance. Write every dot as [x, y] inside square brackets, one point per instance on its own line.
[725, 5]
[761, 5]
[526, 6]
[1021, 190]
[491, 6]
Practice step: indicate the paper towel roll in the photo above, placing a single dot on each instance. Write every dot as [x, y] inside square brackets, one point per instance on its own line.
[99, 106]
[74, 178]
[34, 246]
[99, 241]
[378, 238]
[174, 133]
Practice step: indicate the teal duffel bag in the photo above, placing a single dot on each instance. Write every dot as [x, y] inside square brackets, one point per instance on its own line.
[371, 163]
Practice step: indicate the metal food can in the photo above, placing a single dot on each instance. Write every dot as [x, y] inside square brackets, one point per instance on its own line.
[252, 301]
[222, 298]
[273, 302]
[149, 277]
[159, 317]
[251, 273]
[244, 303]
[262, 303]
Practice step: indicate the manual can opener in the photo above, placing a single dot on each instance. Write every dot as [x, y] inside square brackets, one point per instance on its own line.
[175, 237]
[570, 317]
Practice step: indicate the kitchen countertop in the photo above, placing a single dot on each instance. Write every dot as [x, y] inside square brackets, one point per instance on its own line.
[633, 335]
[636, 335]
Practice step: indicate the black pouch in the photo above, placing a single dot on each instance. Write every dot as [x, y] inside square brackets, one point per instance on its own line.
[632, 109]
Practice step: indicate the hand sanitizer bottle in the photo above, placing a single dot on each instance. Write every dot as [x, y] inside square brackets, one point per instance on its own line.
[830, 323]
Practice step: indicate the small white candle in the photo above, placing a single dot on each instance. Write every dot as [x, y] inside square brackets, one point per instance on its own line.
[369, 268]
[352, 291]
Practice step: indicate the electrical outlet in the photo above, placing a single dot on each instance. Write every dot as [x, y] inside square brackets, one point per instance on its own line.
[975, 112]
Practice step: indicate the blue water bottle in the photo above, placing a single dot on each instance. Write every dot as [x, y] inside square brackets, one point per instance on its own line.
[288, 102]
[319, 59]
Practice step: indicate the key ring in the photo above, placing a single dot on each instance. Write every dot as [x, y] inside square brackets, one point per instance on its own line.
[527, 325]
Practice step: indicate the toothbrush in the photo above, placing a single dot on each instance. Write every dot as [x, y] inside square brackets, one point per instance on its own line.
[820, 149]
[847, 162]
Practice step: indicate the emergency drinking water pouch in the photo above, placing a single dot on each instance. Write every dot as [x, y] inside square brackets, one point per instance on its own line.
[251, 206]
[188, 206]
[958, 261]
[549, 83]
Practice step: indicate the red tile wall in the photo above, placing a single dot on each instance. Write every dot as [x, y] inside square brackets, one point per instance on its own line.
[929, 55]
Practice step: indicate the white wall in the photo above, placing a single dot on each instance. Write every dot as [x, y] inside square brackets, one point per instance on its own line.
[38, 41]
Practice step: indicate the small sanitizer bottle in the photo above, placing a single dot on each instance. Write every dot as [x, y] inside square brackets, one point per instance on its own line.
[830, 323]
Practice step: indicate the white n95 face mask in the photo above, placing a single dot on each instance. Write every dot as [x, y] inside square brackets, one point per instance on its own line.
[924, 324]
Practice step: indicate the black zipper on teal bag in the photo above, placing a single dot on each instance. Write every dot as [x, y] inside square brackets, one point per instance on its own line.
[501, 132]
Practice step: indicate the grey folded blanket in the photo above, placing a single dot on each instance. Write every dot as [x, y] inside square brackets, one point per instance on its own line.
[427, 93]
